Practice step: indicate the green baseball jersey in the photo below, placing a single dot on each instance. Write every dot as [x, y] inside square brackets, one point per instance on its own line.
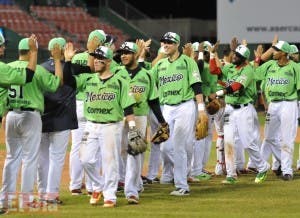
[209, 81]
[279, 83]
[82, 59]
[244, 76]
[142, 87]
[174, 79]
[3, 101]
[105, 100]
[10, 76]
[31, 95]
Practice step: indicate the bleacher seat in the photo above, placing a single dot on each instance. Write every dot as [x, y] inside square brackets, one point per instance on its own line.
[76, 21]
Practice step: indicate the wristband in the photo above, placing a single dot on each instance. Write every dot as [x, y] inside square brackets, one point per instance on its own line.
[200, 55]
[201, 107]
[131, 123]
[220, 93]
[257, 60]
[141, 59]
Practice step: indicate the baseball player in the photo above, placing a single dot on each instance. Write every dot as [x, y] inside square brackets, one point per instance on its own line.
[178, 80]
[107, 100]
[96, 37]
[281, 83]
[240, 118]
[23, 124]
[294, 55]
[209, 82]
[145, 92]
[11, 76]
[58, 119]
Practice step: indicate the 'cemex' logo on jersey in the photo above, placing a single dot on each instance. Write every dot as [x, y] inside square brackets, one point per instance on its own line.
[168, 79]
[138, 89]
[278, 94]
[91, 96]
[171, 92]
[279, 81]
[99, 110]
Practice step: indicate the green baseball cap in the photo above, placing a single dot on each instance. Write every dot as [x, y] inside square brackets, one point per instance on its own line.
[243, 51]
[171, 37]
[103, 52]
[2, 39]
[23, 44]
[128, 46]
[58, 40]
[282, 46]
[195, 46]
[294, 49]
[100, 34]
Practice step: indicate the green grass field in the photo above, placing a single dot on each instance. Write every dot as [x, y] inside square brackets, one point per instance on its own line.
[273, 198]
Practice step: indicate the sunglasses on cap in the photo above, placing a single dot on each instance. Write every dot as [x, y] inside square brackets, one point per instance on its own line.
[99, 54]
[275, 48]
[169, 42]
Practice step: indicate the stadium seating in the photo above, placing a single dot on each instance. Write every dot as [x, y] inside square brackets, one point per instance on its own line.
[73, 23]
[76, 22]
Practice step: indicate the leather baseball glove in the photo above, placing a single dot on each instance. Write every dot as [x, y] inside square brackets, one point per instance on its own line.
[201, 126]
[136, 142]
[214, 106]
[162, 134]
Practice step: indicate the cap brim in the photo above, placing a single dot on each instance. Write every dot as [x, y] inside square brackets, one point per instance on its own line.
[97, 55]
[122, 50]
[167, 40]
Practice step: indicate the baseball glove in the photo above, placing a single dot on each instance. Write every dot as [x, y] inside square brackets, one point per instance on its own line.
[201, 126]
[214, 106]
[162, 134]
[136, 143]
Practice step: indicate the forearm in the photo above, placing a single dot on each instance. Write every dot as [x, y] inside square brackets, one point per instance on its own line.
[58, 70]
[155, 107]
[32, 60]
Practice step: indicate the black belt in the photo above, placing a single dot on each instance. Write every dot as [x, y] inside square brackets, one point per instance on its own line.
[279, 100]
[238, 106]
[22, 109]
[104, 122]
[176, 103]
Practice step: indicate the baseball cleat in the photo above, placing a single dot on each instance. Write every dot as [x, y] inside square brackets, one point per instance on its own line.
[95, 198]
[180, 192]
[261, 177]
[229, 181]
[109, 204]
[133, 200]
[75, 192]
[287, 177]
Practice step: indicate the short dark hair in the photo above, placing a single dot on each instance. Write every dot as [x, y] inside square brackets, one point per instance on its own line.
[23, 52]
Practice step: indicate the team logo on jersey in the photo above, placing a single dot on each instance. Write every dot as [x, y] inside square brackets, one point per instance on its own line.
[97, 110]
[91, 96]
[168, 79]
[113, 86]
[279, 81]
[277, 94]
[288, 73]
[183, 67]
[172, 93]
[138, 89]
[143, 80]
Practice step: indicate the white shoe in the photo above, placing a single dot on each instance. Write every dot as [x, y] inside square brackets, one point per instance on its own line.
[180, 192]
